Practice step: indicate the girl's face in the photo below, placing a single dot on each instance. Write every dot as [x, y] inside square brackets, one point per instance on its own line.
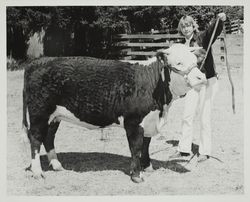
[187, 29]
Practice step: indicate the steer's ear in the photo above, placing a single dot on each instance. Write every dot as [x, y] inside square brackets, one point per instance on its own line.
[200, 54]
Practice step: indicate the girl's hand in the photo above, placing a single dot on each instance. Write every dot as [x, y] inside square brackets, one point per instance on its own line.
[222, 16]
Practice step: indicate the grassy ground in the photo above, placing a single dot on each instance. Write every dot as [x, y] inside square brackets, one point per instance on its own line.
[96, 167]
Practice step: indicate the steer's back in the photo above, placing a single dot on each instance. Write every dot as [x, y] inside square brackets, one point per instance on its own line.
[95, 90]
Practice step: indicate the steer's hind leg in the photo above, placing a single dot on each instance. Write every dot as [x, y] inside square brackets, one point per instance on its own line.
[48, 143]
[135, 139]
[35, 134]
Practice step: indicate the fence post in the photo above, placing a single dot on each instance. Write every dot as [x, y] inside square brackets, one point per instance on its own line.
[222, 50]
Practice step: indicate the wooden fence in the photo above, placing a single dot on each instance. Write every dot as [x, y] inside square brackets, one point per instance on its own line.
[235, 51]
[234, 26]
[144, 46]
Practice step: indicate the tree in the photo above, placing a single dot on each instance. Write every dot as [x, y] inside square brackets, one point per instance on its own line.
[89, 30]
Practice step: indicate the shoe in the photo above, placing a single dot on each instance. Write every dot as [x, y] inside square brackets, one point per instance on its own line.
[179, 155]
[202, 158]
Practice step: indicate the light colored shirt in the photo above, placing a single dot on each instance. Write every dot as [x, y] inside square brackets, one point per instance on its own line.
[187, 43]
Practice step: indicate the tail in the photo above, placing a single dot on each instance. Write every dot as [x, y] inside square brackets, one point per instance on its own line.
[25, 122]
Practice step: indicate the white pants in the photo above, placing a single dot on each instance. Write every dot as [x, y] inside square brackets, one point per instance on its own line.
[204, 98]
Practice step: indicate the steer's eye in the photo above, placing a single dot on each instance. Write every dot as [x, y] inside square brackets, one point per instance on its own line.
[179, 63]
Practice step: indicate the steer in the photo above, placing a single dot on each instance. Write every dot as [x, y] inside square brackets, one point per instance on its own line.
[96, 93]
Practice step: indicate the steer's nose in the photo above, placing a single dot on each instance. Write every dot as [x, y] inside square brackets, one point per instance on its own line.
[202, 79]
[199, 80]
[196, 77]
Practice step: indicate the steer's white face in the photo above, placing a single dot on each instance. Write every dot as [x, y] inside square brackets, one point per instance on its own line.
[181, 58]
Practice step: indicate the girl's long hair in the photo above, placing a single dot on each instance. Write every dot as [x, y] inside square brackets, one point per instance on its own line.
[186, 19]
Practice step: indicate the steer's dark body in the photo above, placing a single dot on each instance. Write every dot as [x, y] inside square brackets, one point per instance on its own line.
[97, 92]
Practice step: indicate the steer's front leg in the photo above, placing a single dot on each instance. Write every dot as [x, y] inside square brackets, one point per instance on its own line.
[145, 159]
[135, 139]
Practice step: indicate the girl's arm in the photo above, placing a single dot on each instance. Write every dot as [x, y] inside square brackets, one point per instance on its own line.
[206, 35]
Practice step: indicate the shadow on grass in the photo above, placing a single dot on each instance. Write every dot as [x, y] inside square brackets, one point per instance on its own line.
[94, 161]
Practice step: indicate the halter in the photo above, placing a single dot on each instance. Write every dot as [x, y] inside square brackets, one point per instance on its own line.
[180, 72]
[174, 69]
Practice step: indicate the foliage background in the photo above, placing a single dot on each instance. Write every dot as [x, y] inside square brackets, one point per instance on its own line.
[90, 30]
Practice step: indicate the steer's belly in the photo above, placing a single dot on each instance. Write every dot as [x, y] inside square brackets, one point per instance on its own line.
[151, 123]
[61, 113]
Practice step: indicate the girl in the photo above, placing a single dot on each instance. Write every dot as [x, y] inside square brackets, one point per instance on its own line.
[205, 96]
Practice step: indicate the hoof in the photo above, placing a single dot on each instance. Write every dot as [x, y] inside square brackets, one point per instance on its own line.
[149, 169]
[137, 179]
[38, 175]
[56, 165]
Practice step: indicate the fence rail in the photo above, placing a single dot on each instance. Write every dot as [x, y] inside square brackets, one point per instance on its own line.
[142, 52]
[234, 26]
[149, 36]
[142, 46]
[133, 46]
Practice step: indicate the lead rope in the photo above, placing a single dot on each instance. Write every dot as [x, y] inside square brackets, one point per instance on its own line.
[227, 64]
[228, 71]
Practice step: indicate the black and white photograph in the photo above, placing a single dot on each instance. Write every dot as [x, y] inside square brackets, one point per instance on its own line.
[124, 99]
